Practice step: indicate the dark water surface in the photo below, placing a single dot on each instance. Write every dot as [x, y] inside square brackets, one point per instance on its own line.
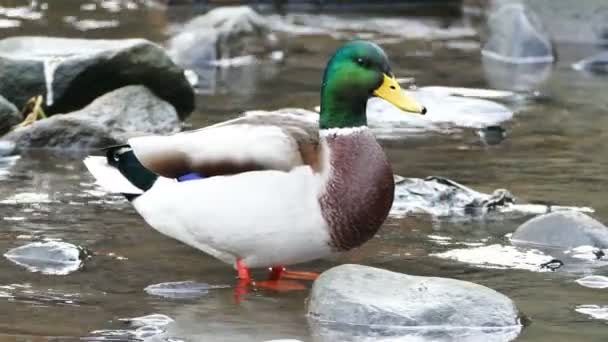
[556, 152]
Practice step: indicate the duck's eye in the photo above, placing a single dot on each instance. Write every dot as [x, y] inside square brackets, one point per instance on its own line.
[363, 62]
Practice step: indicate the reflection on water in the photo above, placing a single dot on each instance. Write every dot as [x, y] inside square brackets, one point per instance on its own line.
[526, 77]
[554, 152]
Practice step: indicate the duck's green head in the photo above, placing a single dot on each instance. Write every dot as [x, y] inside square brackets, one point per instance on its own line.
[356, 72]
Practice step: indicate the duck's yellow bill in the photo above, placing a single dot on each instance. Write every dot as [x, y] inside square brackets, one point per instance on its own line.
[391, 92]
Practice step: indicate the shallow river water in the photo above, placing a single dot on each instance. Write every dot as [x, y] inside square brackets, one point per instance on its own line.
[556, 151]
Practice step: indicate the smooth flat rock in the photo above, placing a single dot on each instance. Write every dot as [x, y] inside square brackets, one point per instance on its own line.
[362, 296]
[516, 35]
[51, 257]
[9, 116]
[67, 71]
[110, 119]
[224, 33]
[565, 229]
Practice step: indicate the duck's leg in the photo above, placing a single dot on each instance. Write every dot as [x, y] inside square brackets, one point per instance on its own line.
[280, 272]
[245, 281]
[275, 282]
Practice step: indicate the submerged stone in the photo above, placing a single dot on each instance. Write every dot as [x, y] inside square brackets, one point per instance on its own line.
[516, 35]
[110, 119]
[565, 229]
[355, 301]
[596, 64]
[178, 290]
[594, 282]
[153, 319]
[68, 71]
[52, 257]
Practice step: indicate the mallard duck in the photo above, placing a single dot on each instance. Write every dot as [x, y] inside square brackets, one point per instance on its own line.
[270, 190]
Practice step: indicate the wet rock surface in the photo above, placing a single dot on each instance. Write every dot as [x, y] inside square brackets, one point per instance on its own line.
[356, 297]
[110, 119]
[52, 257]
[566, 229]
[223, 33]
[62, 131]
[564, 241]
[442, 197]
[68, 71]
[9, 116]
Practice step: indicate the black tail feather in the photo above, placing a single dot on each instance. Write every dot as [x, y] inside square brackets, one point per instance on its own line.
[122, 158]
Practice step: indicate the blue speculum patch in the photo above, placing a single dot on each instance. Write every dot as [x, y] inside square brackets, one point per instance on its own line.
[189, 177]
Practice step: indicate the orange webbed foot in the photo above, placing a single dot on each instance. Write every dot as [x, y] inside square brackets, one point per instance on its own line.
[280, 272]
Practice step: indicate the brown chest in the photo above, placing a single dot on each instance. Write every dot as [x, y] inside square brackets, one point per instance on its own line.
[360, 189]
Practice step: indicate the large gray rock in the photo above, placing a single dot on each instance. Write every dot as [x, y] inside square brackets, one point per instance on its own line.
[355, 296]
[565, 229]
[9, 115]
[74, 72]
[111, 119]
[222, 33]
[62, 131]
[516, 35]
